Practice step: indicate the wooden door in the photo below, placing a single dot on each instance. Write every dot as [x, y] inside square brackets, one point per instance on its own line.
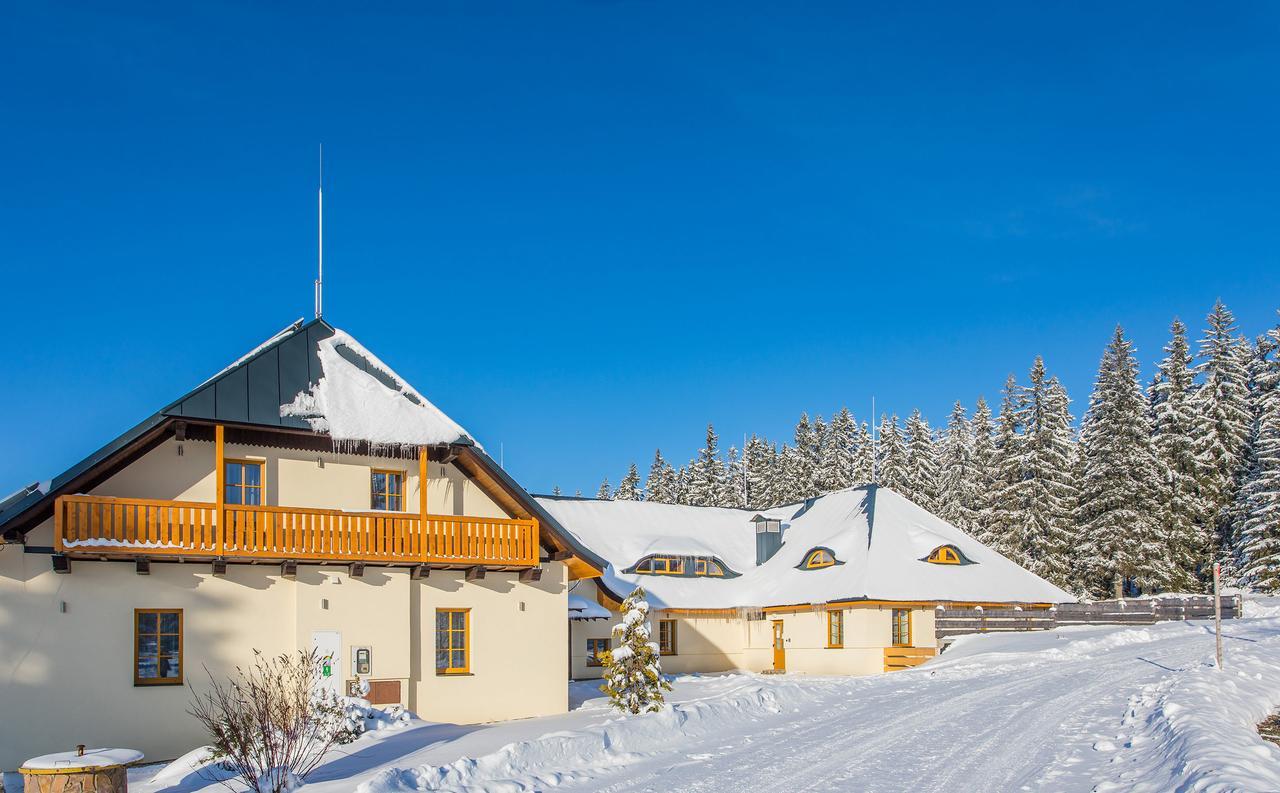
[779, 649]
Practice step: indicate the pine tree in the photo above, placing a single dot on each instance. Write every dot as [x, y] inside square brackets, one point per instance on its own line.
[800, 463]
[629, 487]
[985, 467]
[680, 486]
[891, 467]
[836, 469]
[1008, 495]
[1047, 519]
[734, 479]
[1184, 516]
[816, 451]
[922, 463]
[793, 476]
[633, 669]
[555, 491]
[1259, 530]
[1118, 510]
[759, 460]
[706, 474]
[864, 461]
[605, 492]
[660, 486]
[1222, 431]
[957, 479]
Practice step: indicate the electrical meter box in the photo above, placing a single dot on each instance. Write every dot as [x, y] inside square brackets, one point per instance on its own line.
[361, 661]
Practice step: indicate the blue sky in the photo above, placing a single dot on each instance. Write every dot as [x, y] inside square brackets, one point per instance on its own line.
[587, 229]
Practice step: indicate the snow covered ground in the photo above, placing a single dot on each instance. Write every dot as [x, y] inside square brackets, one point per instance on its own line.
[1100, 708]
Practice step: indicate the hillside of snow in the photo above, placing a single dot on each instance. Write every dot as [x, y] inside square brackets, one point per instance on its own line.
[1076, 709]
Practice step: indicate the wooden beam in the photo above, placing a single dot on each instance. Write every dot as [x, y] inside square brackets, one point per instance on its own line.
[61, 563]
[419, 571]
[219, 566]
[561, 556]
[289, 569]
[142, 565]
[220, 482]
[475, 573]
[530, 575]
[356, 570]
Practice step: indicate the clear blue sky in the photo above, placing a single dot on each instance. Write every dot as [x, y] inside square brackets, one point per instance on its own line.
[587, 229]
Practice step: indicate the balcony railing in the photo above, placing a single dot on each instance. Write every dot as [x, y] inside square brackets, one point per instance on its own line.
[107, 526]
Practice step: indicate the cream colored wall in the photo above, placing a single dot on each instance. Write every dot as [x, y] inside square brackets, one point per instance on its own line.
[70, 674]
[581, 630]
[295, 478]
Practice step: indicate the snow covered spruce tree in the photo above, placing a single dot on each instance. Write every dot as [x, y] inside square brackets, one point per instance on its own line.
[801, 461]
[1048, 460]
[605, 492]
[864, 461]
[956, 497]
[922, 463]
[1008, 492]
[1258, 530]
[758, 461]
[661, 484]
[632, 670]
[735, 480]
[1223, 419]
[984, 474]
[891, 467]
[629, 487]
[1118, 510]
[835, 471]
[706, 474]
[1184, 516]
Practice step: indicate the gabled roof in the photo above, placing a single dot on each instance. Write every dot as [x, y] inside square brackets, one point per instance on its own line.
[880, 536]
[309, 377]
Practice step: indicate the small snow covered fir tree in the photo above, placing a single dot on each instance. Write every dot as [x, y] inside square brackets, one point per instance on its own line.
[605, 492]
[864, 461]
[956, 481]
[629, 487]
[1259, 535]
[632, 670]
[922, 463]
[984, 472]
[661, 485]
[891, 467]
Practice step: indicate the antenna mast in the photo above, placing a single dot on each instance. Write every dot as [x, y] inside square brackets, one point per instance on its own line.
[320, 237]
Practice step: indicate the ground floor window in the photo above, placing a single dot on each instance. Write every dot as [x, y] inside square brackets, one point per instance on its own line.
[596, 648]
[835, 629]
[667, 637]
[453, 641]
[901, 627]
[157, 647]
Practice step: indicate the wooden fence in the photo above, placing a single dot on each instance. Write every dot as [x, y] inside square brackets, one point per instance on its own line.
[950, 621]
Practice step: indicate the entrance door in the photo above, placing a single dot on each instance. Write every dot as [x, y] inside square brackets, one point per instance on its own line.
[328, 646]
[779, 650]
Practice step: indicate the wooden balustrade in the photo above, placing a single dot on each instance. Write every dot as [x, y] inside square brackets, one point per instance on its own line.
[143, 527]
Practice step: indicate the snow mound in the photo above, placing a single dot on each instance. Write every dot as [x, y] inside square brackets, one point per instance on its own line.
[359, 399]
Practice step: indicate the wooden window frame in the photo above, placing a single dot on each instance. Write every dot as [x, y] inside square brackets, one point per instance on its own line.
[835, 619]
[157, 681]
[593, 658]
[389, 472]
[708, 568]
[262, 481]
[670, 647]
[944, 554]
[810, 564]
[671, 565]
[896, 641]
[466, 642]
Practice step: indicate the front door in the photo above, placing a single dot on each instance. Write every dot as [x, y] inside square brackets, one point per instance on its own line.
[328, 647]
[779, 650]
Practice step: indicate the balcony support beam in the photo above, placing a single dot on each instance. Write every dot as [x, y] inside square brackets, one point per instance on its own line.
[289, 569]
[531, 575]
[142, 565]
[356, 570]
[219, 566]
[220, 483]
[475, 573]
[419, 571]
[61, 563]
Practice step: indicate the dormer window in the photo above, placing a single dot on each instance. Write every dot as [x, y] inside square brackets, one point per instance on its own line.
[687, 566]
[708, 567]
[661, 565]
[945, 554]
[818, 558]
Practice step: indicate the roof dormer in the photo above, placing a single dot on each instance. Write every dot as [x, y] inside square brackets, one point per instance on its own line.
[768, 537]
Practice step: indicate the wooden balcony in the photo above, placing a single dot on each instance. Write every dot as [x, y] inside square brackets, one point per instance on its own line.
[104, 527]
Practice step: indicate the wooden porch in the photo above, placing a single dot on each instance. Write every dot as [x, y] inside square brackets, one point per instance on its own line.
[108, 527]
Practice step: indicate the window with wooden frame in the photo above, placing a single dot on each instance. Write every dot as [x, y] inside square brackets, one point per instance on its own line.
[595, 649]
[818, 558]
[386, 490]
[157, 647]
[453, 641]
[901, 627]
[944, 554]
[708, 567]
[667, 637]
[661, 565]
[243, 482]
[835, 629]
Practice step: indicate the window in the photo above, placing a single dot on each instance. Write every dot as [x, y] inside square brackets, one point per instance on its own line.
[243, 482]
[818, 558]
[661, 565]
[595, 648]
[835, 629]
[453, 641]
[157, 647]
[708, 567]
[667, 637]
[387, 490]
[901, 627]
[944, 554]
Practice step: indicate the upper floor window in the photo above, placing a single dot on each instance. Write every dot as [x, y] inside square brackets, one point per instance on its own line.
[157, 647]
[661, 565]
[708, 567]
[387, 490]
[944, 554]
[818, 558]
[244, 482]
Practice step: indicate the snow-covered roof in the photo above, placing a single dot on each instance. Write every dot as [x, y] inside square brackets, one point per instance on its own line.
[359, 398]
[582, 609]
[881, 538]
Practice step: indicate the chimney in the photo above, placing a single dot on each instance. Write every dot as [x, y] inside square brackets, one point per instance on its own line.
[768, 537]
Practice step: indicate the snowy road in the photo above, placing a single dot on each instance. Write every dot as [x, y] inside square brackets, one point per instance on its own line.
[1073, 710]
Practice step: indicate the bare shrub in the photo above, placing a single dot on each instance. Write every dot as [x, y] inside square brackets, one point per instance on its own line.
[271, 723]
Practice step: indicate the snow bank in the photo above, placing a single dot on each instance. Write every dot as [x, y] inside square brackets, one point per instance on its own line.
[564, 757]
[367, 402]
